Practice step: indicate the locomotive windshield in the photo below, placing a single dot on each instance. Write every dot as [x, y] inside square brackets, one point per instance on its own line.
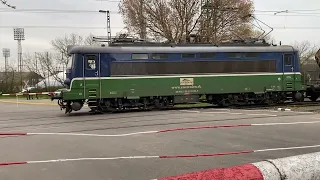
[71, 62]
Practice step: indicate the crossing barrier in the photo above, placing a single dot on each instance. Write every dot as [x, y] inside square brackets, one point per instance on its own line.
[24, 94]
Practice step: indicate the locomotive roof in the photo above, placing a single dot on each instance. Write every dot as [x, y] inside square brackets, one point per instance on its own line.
[178, 49]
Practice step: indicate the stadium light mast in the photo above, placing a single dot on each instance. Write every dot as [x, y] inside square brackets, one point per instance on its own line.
[19, 36]
[6, 54]
[108, 24]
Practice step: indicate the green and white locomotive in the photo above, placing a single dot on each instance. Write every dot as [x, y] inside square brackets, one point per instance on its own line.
[153, 75]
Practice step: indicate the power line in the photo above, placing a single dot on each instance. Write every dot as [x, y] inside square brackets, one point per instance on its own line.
[290, 15]
[108, 0]
[293, 10]
[49, 11]
[59, 10]
[118, 27]
[59, 27]
[6, 4]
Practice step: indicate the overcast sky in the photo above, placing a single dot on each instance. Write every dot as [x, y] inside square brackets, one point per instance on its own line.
[288, 27]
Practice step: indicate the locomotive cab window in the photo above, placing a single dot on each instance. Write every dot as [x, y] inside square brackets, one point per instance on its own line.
[71, 63]
[234, 55]
[288, 58]
[160, 56]
[207, 55]
[188, 55]
[139, 56]
[91, 62]
[252, 55]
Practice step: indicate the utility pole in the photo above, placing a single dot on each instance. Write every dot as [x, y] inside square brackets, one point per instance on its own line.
[108, 25]
[37, 72]
[63, 64]
[47, 58]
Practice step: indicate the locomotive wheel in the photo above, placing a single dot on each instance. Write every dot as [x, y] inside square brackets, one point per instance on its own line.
[224, 103]
[298, 97]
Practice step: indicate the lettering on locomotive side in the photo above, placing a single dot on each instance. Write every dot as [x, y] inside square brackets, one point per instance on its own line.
[186, 86]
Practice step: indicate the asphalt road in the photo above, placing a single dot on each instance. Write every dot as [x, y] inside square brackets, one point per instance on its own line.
[47, 118]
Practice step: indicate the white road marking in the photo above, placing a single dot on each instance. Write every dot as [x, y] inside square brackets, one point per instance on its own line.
[260, 110]
[95, 135]
[292, 123]
[190, 111]
[232, 113]
[289, 148]
[222, 110]
[223, 113]
[167, 130]
[305, 112]
[83, 159]
[272, 115]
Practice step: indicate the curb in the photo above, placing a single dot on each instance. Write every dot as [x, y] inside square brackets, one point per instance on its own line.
[295, 167]
[243, 172]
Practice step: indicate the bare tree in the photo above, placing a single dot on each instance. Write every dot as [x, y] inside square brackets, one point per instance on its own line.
[175, 20]
[51, 64]
[35, 63]
[225, 20]
[306, 52]
[89, 40]
[134, 16]
[44, 64]
[9, 82]
[61, 44]
[60, 59]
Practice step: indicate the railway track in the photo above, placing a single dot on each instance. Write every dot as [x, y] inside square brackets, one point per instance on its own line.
[284, 105]
[208, 106]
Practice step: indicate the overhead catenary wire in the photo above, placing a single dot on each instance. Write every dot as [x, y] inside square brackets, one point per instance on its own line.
[107, 0]
[118, 27]
[51, 11]
[7, 4]
[4, 10]
[58, 27]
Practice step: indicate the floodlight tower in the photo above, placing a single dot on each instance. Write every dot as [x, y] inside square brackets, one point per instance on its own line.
[6, 54]
[19, 36]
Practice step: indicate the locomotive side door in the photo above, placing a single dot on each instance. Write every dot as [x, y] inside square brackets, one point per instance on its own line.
[92, 76]
[288, 72]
